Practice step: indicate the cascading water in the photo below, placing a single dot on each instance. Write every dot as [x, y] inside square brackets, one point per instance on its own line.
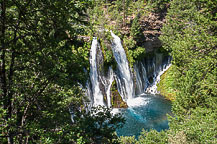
[144, 109]
[94, 77]
[162, 66]
[141, 78]
[108, 86]
[153, 88]
[148, 72]
[124, 78]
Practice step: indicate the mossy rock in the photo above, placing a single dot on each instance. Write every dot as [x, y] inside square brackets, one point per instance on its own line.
[166, 85]
[117, 101]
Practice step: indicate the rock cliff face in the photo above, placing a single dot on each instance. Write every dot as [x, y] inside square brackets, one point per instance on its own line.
[152, 25]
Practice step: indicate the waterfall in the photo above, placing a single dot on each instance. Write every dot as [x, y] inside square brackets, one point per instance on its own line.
[94, 77]
[138, 80]
[124, 79]
[108, 86]
[141, 78]
[162, 67]
[153, 88]
[147, 72]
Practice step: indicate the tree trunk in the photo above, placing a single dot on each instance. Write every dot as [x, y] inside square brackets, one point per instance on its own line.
[3, 83]
[124, 10]
[3, 79]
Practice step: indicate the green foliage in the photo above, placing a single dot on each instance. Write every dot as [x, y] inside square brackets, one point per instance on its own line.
[138, 6]
[166, 86]
[136, 30]
[116, 99]
[190, 35]
[118, 16]
[135, 54]
[97, 125]
[41, 62]
[133, 43]
[106, 48]
[127, 140]
[158, 5]
[153, 137]
[150, 137]
[129, 42]
[133, 51]
[199, 126]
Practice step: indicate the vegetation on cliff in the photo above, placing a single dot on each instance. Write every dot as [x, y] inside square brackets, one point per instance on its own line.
[116, 99]
[190, 36]
[166, 85]
[127, 19]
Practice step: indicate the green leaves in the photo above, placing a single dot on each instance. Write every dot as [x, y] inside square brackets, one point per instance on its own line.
[41, 62]
[98, 125]
[199, 127]
[188, 34]
[136, 30]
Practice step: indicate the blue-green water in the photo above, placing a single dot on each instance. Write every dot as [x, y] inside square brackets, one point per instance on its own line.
[145, 112]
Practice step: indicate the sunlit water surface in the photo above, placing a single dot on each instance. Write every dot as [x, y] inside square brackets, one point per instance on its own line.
[145, 112]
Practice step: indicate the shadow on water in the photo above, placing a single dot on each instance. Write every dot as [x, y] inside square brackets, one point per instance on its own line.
[146, 112]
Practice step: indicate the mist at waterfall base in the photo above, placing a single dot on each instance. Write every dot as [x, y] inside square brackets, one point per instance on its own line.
[145, 111]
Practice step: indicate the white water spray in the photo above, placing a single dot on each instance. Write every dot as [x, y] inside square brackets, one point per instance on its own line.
[124, 78]
[108, 89]
[97, 95]
[153, 88]
[147, 75]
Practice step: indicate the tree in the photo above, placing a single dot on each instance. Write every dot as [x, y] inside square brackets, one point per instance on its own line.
[41, 63]
[190, 36]
[97, 125]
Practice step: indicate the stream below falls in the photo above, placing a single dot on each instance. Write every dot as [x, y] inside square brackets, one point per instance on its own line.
[146, 112]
